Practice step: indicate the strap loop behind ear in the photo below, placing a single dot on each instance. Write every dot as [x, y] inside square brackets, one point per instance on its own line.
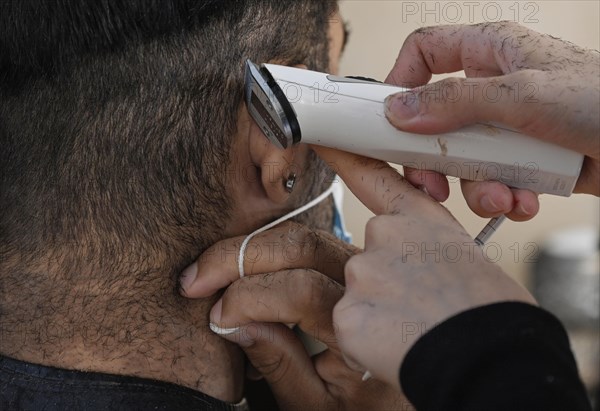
[280, 220]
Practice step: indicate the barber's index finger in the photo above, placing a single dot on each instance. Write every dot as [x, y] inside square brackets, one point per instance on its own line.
[375, 183]
[477, 49]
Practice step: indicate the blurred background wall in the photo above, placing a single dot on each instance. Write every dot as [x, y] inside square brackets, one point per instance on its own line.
[378, 29]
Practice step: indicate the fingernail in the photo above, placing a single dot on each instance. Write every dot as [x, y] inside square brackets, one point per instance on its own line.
[216, 312]
[188, 276]
[223, 331]
[522, 210]
[489, 205]
[401, 106]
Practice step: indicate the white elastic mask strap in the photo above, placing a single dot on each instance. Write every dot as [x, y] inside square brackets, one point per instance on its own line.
[286, 217]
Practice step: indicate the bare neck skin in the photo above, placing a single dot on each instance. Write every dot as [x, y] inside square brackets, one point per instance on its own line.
[132, 324]
[135, 325]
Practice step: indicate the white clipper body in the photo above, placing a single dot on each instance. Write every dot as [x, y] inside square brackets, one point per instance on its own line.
[293, 105]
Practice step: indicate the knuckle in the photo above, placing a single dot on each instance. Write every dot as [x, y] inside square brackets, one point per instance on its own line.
[381, 226]
[498, 27]
[353, 270]
[299, 277]
[420, 33]
[412, 39]
[310, 289]
[273, 365]
[241, 291]
[346, 319]
[506, 25]
[302, 236]
[302, 285]
[375, 225]
[295, 230]
[351, 266]
[311, 242]
[340, 321]
[212, 255]
[452, 89]
[453, 81]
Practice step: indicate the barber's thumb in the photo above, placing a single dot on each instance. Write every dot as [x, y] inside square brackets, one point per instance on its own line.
[402, 108]
[434, 108]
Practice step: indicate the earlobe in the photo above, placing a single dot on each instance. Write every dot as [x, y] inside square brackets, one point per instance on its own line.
[278, 169]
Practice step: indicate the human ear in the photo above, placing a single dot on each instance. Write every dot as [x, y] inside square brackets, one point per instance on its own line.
[275, 165]
[279, 169]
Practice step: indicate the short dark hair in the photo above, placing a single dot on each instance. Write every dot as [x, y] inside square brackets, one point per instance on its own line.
[116, 118]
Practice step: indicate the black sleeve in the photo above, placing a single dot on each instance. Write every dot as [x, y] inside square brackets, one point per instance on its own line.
[506, 356]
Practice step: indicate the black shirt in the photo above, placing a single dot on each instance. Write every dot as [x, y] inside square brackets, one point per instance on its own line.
[26, 386]
[506, 356]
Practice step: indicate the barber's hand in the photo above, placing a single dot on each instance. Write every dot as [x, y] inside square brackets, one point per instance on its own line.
[287, 246]
[291, 292]
[419, 268]
[546, 88]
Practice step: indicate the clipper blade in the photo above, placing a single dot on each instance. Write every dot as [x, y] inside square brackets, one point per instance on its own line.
[269, 107]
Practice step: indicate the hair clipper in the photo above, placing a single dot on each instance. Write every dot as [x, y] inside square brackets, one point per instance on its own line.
[293, 105]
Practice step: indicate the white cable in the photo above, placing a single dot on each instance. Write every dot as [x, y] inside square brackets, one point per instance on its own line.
[294, 213]
[226, 331]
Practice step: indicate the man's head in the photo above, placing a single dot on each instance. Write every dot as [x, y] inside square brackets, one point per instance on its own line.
[123, 131]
